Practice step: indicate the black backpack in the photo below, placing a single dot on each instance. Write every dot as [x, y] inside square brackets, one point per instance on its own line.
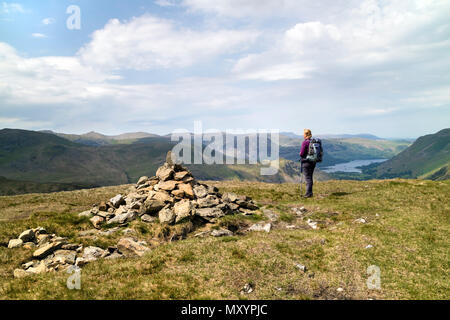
[315, 152]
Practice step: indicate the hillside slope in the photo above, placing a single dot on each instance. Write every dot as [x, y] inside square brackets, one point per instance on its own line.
[406, 228]
[428, 155]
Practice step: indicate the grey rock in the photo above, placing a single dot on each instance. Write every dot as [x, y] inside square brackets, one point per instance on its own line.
[15, 243]
[130, 247]
[123, 218]
[166, 215]
[183, 209]
[27, 236]
[200, 191]
[261, 227]
[148, 218]
[142, 180]
[165, 172]
[65, 256]
[97, 221]
[92, 254]
[209, 213]
[117, 200]
[208, 202]
[221, 233]
[87, 214]
[47, 249]
[20, 273]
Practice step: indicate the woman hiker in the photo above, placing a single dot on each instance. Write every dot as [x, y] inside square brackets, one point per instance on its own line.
[307, 166]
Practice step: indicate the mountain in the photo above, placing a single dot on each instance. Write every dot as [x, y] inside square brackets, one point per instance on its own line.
[47, 158]
[97, 139]
[428, 157]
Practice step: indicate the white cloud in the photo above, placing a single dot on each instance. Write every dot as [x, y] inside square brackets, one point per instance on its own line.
[372, 35]
[38, 35]
[48, 21]
[9, 7]
[165, 3]
[148, 42]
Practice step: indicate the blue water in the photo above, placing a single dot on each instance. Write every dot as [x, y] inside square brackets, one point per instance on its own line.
[351, 166]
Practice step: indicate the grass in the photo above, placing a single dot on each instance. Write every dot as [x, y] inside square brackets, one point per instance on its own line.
[407, 225]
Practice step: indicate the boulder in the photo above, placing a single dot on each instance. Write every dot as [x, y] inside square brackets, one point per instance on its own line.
[47, 249]
[117, 201]
[20, 273]
[167, 185]
[27, 236]
[221, 233]
[87, 214]
[200, 191]
[183, 209]
[154, 203]
[92, 254]
[187, 189]
[29, 245]
[15, 243]
[182, 175]
[208, 213]
[43, 239]
[178, 193]
[142, 180]
[103, 206]
[165, 173]
[229, 197]
[97, 221]
[247, 205]
[148, 218]
[208, 202]
[65, 256]
[123, 218]
[130, 247]
[261, 227]
[166, 215]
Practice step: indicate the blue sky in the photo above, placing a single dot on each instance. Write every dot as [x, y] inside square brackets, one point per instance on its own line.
[334, 66]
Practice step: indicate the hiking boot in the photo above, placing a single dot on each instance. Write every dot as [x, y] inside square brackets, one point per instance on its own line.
[308, 196]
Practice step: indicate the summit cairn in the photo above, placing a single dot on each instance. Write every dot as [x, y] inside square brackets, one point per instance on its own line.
[171, 196]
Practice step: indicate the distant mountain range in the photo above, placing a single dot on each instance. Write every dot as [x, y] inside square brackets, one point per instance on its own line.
[335, 136]
[428, 158]
[97, 139]
[45, 158]
[50, 161]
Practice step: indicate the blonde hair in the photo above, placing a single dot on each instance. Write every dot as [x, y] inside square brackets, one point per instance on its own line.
[308, 133]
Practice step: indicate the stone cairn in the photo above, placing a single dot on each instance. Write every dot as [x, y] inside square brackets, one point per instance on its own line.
[173, 195]
[53, 253]
[170, 197]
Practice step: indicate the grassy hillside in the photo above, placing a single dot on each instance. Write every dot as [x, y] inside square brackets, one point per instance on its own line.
[13, 187]
[429, 155]
[407, 225]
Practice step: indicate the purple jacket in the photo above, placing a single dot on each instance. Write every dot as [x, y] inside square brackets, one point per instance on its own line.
[305, 148]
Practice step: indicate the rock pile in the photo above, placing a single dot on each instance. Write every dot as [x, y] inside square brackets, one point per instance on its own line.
[53, 253]
[173, 195]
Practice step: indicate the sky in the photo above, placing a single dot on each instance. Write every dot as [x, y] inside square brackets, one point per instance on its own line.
[334, 66]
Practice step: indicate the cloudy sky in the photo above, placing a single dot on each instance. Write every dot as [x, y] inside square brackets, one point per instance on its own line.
[335, 66]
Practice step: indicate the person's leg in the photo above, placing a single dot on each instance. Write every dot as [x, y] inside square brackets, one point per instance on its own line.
[309, 190]
[308, 172]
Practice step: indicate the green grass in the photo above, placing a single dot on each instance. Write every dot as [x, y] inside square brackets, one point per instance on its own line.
[407, 225]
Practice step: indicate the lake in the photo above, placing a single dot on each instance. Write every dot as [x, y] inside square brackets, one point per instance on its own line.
[351, 166]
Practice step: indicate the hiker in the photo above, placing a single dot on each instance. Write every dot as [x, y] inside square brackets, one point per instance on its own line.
[308, 166]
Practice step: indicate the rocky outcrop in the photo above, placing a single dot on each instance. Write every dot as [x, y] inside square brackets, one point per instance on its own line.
[170, 197]
[53, 253]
